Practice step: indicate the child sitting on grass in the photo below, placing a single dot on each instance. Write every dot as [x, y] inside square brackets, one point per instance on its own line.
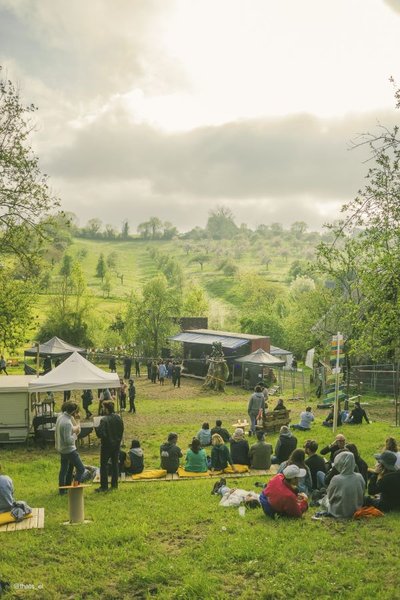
[132, 462]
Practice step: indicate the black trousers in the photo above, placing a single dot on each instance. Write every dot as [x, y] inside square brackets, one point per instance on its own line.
[108, 452]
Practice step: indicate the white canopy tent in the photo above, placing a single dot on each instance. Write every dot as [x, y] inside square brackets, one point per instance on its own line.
[75, 373]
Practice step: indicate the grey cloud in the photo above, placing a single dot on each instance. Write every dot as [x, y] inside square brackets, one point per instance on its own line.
[394, 5]
[89, 48]
[299, 155]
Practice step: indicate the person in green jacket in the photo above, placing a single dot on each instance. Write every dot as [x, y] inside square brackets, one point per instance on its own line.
[196, 458]
[260, 453]
[220, 455]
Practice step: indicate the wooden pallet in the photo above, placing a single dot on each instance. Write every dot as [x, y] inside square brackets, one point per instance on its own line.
[35, 522]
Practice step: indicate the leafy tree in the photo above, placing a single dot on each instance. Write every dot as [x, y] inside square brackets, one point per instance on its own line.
[262, 323]
[125, 230]
[144, 229]
[25, 199]
[70, 312]
[101, 267]
[110, 232]
[93, 228]
[195, 303]
[16, 304]
[155, 227]
[221, 224]
[66, 266]
[169, 231]
[200, 259]
[112, 261]
[106, 286]
[153, 314]
[298, 228]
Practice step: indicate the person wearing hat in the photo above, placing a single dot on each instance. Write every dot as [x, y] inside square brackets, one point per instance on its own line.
[285, 445]
[239, 448]
[281, 495]
[336, 446]
[386, 482]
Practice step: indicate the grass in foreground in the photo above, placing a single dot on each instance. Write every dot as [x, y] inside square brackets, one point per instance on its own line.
[171, 540]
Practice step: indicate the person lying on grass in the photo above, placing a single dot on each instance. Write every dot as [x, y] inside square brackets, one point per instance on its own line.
[196, 458]
[345, 493]
[235, 496]
[281, 496]
[220, 455]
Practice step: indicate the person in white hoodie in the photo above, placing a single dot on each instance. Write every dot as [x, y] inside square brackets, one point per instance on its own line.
[256, 404]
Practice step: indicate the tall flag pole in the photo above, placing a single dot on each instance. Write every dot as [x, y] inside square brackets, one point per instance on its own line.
[337, 355]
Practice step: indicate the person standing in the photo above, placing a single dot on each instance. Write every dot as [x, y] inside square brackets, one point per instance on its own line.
[3, 365]
[127, 367]
[132, 395]
[162, 372]
[122, 394]
[66, 433]
[112, 364]
[176, 374]
[110, 432]
[137, 367]
[87, 400]
[154, 371]
[255, 406]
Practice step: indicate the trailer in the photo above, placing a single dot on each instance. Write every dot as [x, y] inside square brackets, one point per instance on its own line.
[15, 408]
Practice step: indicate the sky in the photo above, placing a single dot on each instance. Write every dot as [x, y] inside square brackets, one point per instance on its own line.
[171, 108]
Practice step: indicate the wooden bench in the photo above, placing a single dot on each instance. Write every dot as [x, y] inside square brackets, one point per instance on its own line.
[34, 522]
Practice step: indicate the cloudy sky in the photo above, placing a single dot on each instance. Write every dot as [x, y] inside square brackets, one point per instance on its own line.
[173, 107]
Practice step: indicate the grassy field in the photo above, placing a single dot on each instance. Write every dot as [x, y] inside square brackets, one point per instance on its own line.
[171, 540]
[134, 261]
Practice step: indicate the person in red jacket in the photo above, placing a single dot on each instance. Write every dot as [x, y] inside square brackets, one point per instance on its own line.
[281, 497]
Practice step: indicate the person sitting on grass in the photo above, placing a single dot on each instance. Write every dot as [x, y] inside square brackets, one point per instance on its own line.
[224, 433]
[385, 481]
[260, 453]
[235, 496]
[337, 445]
[281, 497]
[220, 455]
[316, 464]
[7, 502]
[285, 445]
[204, 435]
[196, 458]
[329, 419]
[298, 458]
[361, 465]
[306, 418]
[391, 445]
[357, 415]
[132, 462]
[280, 405]
[239, 448]
[345, 493]
[170, 454]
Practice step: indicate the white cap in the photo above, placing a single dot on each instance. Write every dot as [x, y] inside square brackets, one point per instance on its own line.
[293, 471]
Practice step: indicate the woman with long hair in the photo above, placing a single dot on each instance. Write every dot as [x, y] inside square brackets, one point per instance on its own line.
[298, 458]
[220, 455]
[196, 459]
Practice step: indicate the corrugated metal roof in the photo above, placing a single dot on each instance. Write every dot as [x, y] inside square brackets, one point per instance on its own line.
[244, 336]
[279, 351]
[202, 338]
